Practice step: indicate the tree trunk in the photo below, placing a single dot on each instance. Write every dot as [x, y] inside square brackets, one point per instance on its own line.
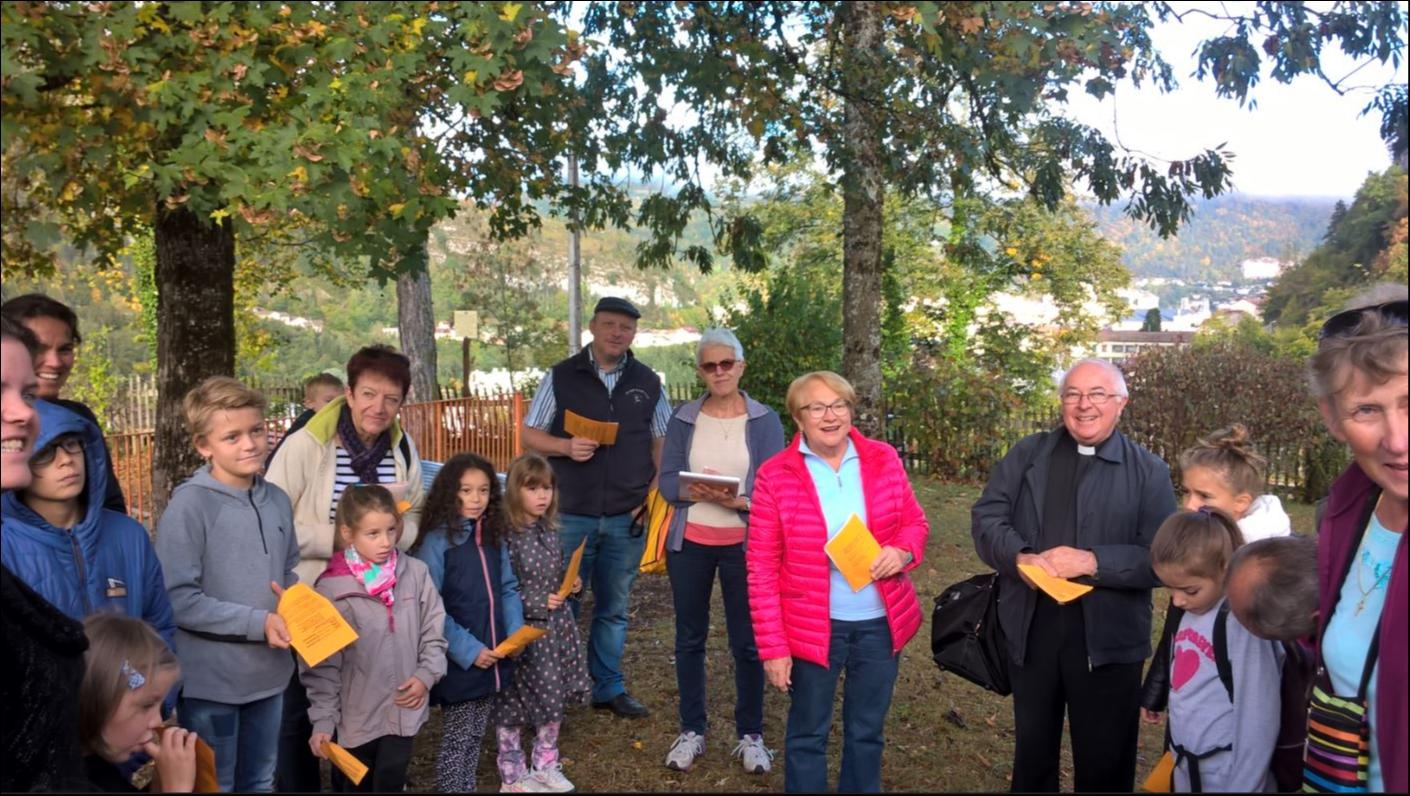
[863, 203]
[195, 278]
[417, 324]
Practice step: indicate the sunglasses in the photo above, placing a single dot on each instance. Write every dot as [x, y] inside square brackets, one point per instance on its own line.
[723, 366]
[1344, 322]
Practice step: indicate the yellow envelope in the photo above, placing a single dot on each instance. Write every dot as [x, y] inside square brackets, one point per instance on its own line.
[351, 767]
[603, 431]
[1060, 589]
[1162, 778]
[853, 550]
[316, 629]
[572, 574]
[520, 639]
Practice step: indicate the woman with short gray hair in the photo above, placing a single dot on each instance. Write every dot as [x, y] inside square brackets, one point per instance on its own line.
[723, 432]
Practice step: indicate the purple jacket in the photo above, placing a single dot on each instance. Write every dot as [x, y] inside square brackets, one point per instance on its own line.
[1336, 542]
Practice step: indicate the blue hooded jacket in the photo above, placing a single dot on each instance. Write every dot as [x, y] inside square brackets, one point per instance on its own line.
[105, 562]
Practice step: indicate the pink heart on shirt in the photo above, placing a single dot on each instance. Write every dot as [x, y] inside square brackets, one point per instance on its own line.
[1186, 664]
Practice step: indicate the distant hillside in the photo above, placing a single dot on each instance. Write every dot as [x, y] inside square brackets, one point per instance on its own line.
[1224, 232]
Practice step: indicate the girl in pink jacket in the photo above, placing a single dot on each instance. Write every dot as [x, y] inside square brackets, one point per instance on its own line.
[809, 623]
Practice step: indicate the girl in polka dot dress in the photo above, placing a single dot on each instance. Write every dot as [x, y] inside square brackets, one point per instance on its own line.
[552, 672]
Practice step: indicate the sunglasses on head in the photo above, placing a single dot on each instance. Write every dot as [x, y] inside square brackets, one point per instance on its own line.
[1344, 322]
[723, 366]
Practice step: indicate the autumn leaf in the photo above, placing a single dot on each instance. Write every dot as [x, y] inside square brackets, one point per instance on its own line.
[470, 75]
[510, 11]
[509, 80]
[307, 154]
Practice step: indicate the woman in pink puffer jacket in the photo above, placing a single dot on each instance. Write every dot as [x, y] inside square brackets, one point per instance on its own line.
[809, 624]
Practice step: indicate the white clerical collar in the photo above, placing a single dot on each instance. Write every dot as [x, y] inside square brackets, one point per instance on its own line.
[1086, 450]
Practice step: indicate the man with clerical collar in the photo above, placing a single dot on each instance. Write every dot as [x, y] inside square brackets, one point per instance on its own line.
[1080, 502]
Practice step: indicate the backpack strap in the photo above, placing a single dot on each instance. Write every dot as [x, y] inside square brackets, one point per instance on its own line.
[405, 447]
[1221, 649]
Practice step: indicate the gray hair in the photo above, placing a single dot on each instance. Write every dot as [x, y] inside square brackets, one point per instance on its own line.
[1375, 346]
[1282, 601]
[719, 336]
[1118, 379]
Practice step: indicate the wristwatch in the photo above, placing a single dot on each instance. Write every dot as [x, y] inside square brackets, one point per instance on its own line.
[909, 558]
[748, 504]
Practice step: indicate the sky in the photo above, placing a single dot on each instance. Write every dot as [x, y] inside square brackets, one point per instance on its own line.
[1301, 140]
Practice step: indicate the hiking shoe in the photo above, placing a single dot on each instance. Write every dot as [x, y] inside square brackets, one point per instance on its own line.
[687, 748]
[757, 758]
[551, 778]
[525, 784]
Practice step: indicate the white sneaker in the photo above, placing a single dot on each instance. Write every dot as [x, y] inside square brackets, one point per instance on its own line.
[687, 747]
[525, 784]
[757, 758]
[551, 778]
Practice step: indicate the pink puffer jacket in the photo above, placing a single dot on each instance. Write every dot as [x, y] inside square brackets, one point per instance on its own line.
[788, 569]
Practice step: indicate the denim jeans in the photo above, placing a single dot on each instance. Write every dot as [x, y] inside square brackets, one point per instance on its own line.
[245, 739]
[298, 770]
[692, 573]
[610, 562]
[863, 649]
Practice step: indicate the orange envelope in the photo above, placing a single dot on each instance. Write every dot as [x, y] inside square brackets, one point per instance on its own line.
[853, 550]
[316, 629]
[351, 767]
[601, 430]
[520, 639]
[1162, 777]
[1060, 589]
[206, 781]
[572, 574]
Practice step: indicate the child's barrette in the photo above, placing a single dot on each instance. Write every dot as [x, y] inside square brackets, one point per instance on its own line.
[135, 680]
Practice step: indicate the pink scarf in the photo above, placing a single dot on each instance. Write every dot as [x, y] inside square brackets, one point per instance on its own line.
[379, 580]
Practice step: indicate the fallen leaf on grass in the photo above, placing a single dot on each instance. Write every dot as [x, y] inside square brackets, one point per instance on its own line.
[991, 721]
[956, 719]
[636, 745]
[984, 761]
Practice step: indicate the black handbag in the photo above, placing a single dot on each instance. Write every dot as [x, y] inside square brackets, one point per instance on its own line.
[965, 637]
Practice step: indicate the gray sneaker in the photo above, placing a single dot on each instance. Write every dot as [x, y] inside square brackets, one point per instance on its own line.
[757, 758]
[551, 778]
[687, 747]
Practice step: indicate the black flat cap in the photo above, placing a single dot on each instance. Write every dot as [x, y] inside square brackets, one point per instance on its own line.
[616, 304]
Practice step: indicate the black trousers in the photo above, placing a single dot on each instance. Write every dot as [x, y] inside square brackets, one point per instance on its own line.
[297, 771]
[386, 759]
[1101, 704]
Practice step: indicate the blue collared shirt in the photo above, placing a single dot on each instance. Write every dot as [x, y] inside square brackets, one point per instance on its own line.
[544, 406]
[840, 495]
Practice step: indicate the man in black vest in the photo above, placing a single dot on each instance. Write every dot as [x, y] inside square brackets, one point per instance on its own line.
[599, 487]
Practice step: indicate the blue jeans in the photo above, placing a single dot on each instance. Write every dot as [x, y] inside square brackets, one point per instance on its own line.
[610, 562]
[864, 650]
[245, 739]
[692, 573]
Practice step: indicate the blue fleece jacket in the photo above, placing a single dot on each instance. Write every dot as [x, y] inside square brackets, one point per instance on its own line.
[104, 562]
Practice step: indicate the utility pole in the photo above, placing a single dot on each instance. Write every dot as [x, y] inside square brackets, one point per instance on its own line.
[575, 269]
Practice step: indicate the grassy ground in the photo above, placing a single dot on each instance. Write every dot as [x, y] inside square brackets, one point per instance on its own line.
[943, 734]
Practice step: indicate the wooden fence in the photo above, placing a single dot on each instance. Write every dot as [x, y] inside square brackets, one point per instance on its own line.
[485, 424]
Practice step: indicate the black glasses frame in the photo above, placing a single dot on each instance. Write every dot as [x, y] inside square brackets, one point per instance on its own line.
[1343, 322]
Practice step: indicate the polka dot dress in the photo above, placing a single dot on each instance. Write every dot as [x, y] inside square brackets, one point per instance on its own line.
[551, 672]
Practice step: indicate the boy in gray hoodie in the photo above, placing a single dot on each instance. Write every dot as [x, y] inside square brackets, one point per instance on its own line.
[227, 546]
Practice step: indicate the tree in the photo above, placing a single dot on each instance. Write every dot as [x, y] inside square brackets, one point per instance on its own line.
[947, 100]
[1152, 321]
[219, 123]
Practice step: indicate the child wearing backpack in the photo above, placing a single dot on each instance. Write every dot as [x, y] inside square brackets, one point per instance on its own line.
[464, 554]
[371, 696]
[227, 547]
[1225, 705]
[552, 671]
[129, 670]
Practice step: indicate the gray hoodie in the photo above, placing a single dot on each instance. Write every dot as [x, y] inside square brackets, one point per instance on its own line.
[220, 548]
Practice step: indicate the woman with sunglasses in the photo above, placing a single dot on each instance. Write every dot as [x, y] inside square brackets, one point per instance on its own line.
[1358, 377]
[723, 432]
[810, 621]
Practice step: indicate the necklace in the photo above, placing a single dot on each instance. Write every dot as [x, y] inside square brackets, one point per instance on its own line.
[1379, 576]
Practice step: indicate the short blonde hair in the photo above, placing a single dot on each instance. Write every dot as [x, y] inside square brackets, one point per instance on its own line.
[217, 394]
[1375, 346]
[834, 382]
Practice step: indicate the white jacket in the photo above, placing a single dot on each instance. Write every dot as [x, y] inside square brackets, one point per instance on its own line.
[305, 467]
[1265, 519]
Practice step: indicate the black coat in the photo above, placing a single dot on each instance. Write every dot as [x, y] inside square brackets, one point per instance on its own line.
[43, 670]
[1123, 499]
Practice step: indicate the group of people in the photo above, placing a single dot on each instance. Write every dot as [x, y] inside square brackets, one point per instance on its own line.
[112, 634]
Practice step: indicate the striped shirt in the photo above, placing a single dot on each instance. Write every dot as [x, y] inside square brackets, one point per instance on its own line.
[544, 406]
[344, 476]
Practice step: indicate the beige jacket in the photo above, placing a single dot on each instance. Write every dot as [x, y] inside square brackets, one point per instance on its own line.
[351, 692]
[305, 467]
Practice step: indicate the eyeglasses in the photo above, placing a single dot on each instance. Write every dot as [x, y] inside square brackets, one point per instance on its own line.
[1344, 322]
[839, 408]
[723, 366]
[45, 455]
[1095, 397]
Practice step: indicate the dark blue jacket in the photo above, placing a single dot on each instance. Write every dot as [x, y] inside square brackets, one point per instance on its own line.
[483, 608]
[104, 562]
[1122, 500]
